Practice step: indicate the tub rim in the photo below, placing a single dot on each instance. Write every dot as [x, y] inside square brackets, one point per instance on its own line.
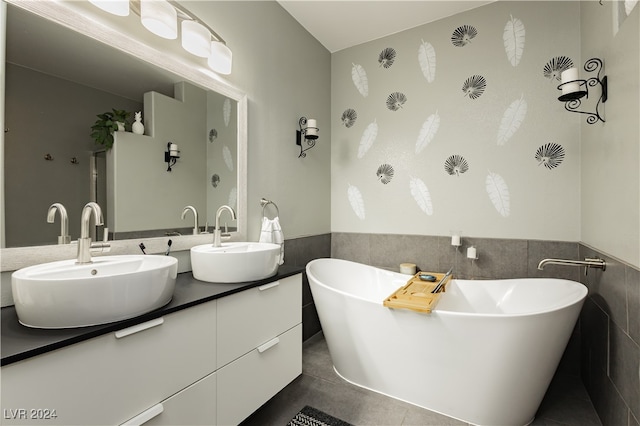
[583, 289]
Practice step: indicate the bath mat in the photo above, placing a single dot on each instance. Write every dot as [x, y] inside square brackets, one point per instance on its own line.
[310, 416]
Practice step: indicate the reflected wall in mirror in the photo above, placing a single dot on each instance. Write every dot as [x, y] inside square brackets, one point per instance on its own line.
[57, 81]
[143, 197]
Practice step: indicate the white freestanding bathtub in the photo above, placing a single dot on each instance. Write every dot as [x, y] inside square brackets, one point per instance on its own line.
[485, 355]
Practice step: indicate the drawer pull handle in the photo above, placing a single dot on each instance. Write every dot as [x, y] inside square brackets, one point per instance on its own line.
[268, 286]
[145, 416]
[268, 345]
[138, 328]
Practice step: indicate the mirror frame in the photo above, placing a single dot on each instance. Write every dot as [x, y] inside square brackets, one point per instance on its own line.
[64, 13]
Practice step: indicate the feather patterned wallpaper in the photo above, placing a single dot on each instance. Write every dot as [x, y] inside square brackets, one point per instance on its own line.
[455, 125]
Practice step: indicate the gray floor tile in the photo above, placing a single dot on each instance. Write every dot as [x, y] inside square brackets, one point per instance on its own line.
[563, 386]
[569, 411]
[417, 416]
[566, 403]
[539, 421]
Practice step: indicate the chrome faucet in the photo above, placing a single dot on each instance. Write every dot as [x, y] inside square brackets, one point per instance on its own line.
[195, 218]
[84, 242]
[217, 234]
[64, 237]
[588, 262]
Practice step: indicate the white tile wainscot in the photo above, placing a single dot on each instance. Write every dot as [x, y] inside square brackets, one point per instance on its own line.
[213, 363]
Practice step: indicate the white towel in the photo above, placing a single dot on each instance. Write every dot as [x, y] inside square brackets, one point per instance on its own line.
[271, 232]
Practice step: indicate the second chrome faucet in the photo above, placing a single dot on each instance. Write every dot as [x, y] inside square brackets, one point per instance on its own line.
[195, 218]
[64, 237]
[217, 233]
[84, 242]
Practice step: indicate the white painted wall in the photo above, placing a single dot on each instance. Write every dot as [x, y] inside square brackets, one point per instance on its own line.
[142, 194]
[40, 124]
[610, 161]
[286, 74]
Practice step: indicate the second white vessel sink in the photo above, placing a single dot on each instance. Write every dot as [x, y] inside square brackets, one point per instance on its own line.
[234, 262]
[112, 288]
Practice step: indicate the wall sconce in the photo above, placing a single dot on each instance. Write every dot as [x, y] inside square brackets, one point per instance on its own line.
[171, 155]
[161, 17]
[573, 89]
[308, 130]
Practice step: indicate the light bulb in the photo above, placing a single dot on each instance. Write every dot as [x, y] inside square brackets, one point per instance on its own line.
[196, 39]
[220, 59]
[115, 7]
[159, 17]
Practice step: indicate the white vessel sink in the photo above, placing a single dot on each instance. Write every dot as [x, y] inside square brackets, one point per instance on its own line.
[112, 288]
[234, 262]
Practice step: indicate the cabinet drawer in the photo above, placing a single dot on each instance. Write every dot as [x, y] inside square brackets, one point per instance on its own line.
[195, 405]
[108, 379]
[252, 317]
[250, 381]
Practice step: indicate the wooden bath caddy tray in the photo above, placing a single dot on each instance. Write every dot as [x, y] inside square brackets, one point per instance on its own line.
[416, 294]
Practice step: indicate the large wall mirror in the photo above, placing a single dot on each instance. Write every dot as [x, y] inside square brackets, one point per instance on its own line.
[66, 63]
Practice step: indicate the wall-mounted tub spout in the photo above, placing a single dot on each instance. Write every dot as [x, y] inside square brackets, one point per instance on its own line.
[588, 262]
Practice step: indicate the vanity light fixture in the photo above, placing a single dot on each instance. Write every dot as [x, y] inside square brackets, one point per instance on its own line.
[115, 7]
[220, 59]
[196, 39]
[161, 17]
[171, 155]
[574, 89]
[309, 132]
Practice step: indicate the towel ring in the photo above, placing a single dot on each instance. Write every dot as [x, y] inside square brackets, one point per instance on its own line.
[264, 203]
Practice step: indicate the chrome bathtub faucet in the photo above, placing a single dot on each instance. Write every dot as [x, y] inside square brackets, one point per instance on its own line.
[588, 262]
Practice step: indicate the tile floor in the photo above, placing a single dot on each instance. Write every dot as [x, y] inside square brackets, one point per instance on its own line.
[566, 401]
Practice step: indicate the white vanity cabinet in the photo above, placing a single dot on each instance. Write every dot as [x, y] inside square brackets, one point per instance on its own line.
[259, 346]
[213, 363]
[195, 405]
[250, 381]
[114, 377]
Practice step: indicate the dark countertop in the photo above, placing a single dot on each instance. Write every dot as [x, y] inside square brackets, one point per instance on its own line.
[18, 342]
